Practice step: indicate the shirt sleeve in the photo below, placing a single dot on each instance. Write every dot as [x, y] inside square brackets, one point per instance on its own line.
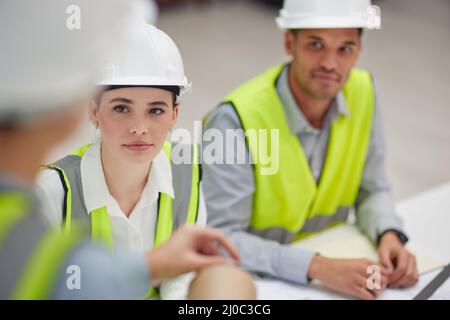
[91, 272]
[51, 195]
[202, 212]
[375, 207]
[228, 190]
[176, 288]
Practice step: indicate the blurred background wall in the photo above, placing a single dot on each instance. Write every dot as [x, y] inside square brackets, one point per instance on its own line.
[226, 42]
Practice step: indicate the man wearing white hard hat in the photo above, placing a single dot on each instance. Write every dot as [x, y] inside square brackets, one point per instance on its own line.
[331, 156]
[48, 67]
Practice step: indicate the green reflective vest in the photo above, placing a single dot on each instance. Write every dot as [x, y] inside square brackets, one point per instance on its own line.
[100, 223]
[291, 198]
[172, 213]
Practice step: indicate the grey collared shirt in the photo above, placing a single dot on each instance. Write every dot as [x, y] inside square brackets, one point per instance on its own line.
[228, 188]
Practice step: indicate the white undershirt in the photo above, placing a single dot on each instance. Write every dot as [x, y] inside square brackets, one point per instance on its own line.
[135, 232]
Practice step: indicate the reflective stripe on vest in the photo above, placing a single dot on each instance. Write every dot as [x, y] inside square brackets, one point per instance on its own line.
[172, 213]
[290, 198]
[32, 255]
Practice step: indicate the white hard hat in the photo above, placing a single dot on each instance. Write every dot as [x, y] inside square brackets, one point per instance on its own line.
[149, 10]
[151, 59]
[51, 52]
[309, 14]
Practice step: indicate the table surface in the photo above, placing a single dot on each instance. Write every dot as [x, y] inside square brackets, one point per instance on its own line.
[426, 218]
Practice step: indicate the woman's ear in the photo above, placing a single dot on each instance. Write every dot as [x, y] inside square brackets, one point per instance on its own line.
[176, 111]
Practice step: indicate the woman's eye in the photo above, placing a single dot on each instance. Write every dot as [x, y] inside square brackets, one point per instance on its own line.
[156, 111]
[120, 109]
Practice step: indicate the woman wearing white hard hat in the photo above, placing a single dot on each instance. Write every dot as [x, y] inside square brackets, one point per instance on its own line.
[48, 74]
[129, 187]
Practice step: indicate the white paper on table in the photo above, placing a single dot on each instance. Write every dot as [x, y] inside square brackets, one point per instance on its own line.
[271, 289]
[347, 242]
[426, 218]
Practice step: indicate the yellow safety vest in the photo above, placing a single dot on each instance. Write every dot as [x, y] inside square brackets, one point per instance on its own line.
[291, 197]
[99, 218]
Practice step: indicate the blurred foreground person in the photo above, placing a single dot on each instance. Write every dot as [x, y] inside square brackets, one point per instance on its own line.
[48, 65]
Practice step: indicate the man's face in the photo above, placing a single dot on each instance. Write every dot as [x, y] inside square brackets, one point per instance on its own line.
[322, 59]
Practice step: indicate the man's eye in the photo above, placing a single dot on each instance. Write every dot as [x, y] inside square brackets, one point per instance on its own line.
[121, 109]
[156, 111]
[346, 49]
[316, 45]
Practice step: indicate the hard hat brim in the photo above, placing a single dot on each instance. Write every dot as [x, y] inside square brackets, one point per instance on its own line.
[287, 23]
[184, 85]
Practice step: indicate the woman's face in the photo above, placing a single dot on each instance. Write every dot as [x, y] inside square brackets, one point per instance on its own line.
[134, 121]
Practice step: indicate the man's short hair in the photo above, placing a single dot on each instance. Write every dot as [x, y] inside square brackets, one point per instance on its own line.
[296, 31]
